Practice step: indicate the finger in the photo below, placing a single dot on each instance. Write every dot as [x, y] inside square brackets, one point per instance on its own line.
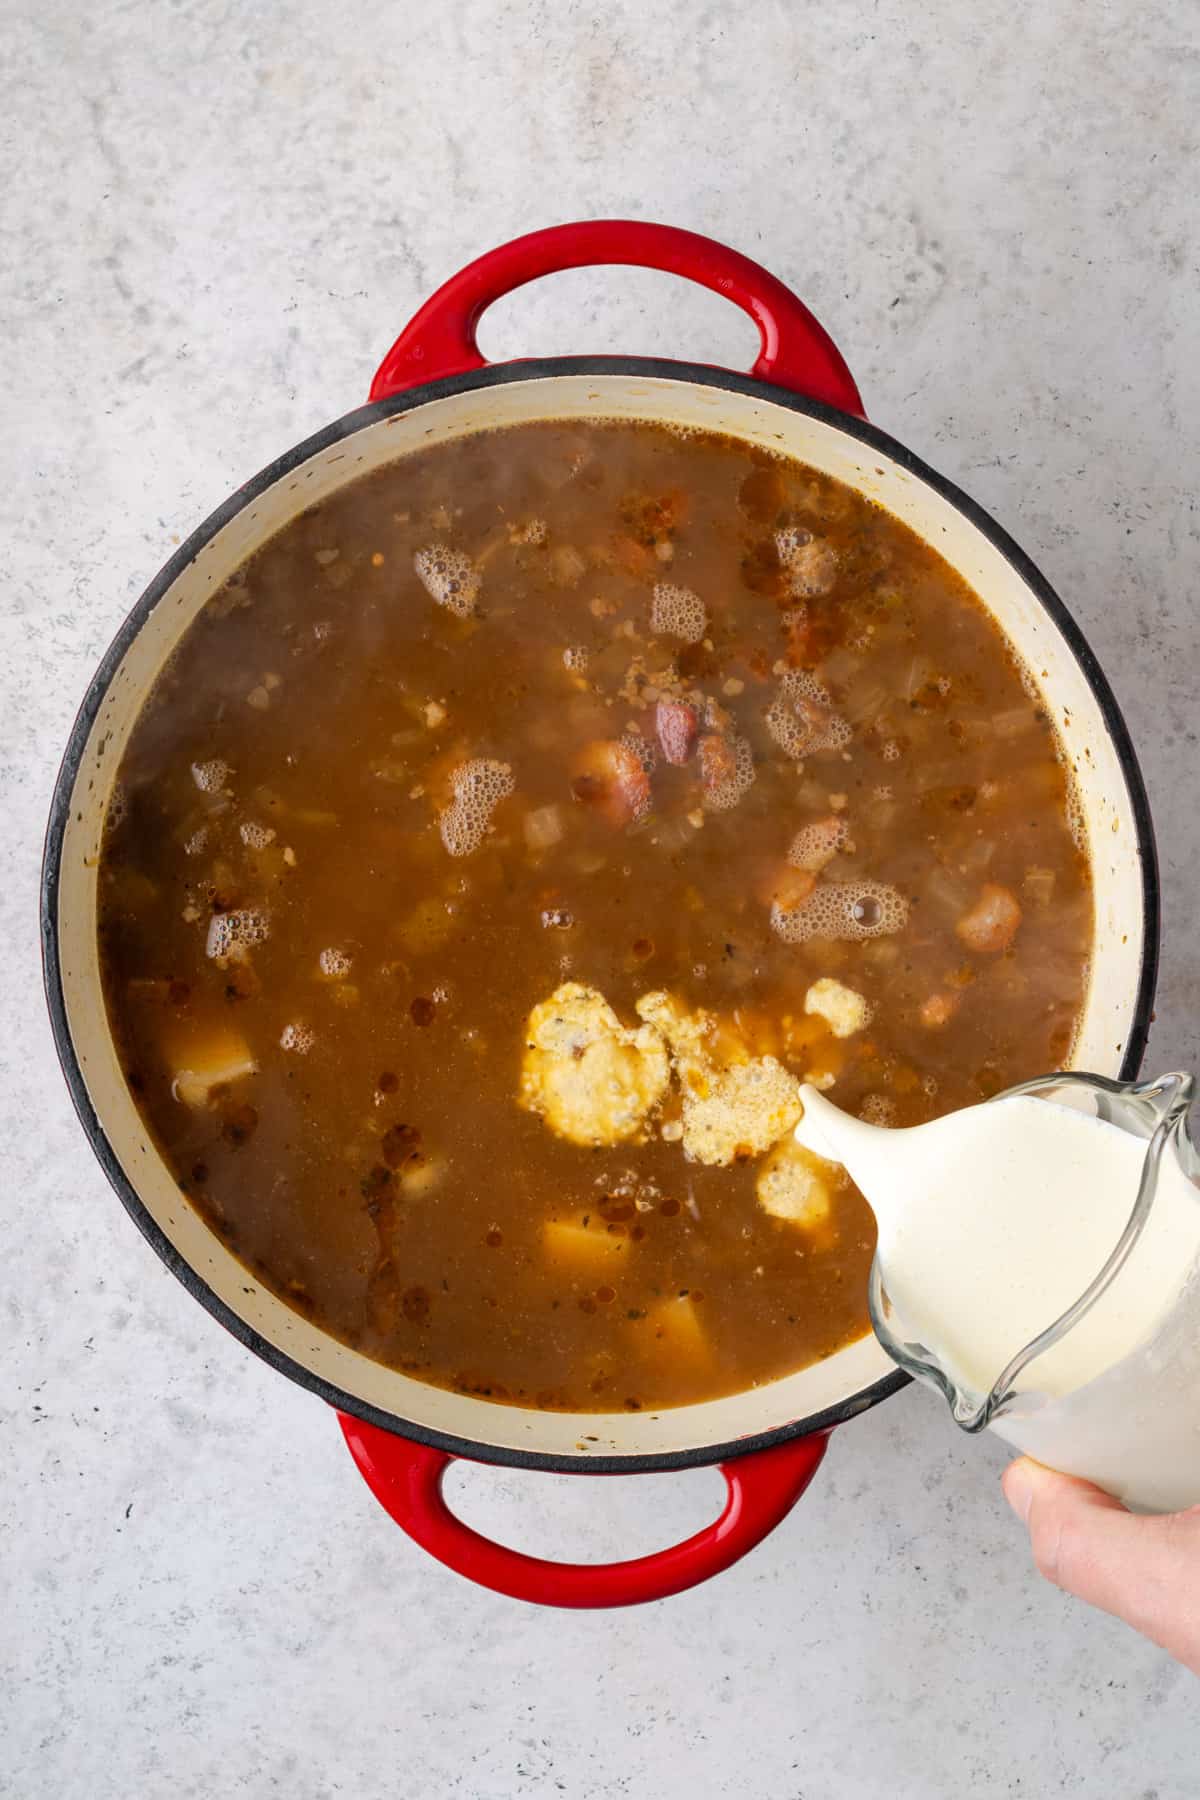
[1144, 1570]
[1026, 1479]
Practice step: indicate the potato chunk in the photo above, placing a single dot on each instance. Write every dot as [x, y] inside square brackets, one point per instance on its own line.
[573, 1244]
[591, 1079]
[208, 1060]
[676, 1331]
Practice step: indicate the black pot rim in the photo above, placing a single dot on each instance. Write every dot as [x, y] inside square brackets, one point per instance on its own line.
[491, 376]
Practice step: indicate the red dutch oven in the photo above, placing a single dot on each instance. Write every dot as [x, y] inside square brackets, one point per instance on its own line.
[434, 385]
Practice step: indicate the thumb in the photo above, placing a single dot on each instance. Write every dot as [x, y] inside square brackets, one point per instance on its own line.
[1143, 1570]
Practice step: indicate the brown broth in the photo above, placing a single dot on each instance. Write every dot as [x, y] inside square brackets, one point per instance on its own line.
[378, 1172]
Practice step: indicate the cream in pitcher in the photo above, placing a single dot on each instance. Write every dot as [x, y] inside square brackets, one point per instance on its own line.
[1039, 1260]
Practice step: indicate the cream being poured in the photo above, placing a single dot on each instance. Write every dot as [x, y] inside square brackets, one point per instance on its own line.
[993, 1221]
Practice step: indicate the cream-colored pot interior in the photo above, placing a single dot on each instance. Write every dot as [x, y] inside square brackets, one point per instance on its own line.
[1106, 805]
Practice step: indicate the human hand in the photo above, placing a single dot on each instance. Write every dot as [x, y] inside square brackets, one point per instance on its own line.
[1143, 1570]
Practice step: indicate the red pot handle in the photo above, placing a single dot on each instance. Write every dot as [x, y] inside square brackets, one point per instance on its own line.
[406, 1479]
[440, 340]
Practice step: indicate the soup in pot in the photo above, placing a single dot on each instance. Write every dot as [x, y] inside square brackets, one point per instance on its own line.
[505, 843]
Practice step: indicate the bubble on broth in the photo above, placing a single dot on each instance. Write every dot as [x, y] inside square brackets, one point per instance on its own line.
[1076, 823]
[852, 911]
[210, 777]
[813, 845]
[1072, 800]
[734, 775]
[296, 1038]
[677, 612]
[232, 931]
[809, 563]
[478, 786]
[118, 806]
[256, 836]
[449, 577]
[877, 1109]
[802, 718]
[643, 748]
[334, 964]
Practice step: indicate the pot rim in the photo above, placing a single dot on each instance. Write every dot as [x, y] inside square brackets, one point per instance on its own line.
[493, 375]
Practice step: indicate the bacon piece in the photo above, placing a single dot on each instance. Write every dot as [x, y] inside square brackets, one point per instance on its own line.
[675, 722]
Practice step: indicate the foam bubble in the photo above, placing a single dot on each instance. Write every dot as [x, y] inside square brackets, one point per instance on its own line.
[194, 845]
[118, 806]
[891, 751]
[850, 910]
[334, 964]
[449, 577]
[299, 1039]
[233, 931]
[802, 718]
[877, 1109]
[210, 777]
[643, 748]
[726, 769]
[1076, 824]
[575, 658]
[677, 612]
[255, 836]
[1073, 803]
[814, 845]
[478, 788]
[809, 563]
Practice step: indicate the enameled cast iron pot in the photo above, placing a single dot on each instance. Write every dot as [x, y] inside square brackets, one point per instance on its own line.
[432, 386]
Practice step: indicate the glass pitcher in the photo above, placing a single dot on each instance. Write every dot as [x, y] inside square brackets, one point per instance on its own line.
[1134, 1426]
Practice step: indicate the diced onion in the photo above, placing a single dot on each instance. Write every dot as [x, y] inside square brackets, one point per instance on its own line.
[919, 675]
[1014, 721]
[1039, 885]
[947, 891]
[978, 854]
[543, 827]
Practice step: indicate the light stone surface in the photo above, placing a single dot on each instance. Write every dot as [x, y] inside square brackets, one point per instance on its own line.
[217, 214]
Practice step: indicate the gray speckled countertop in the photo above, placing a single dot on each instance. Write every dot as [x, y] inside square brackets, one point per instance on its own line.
[217, 214]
